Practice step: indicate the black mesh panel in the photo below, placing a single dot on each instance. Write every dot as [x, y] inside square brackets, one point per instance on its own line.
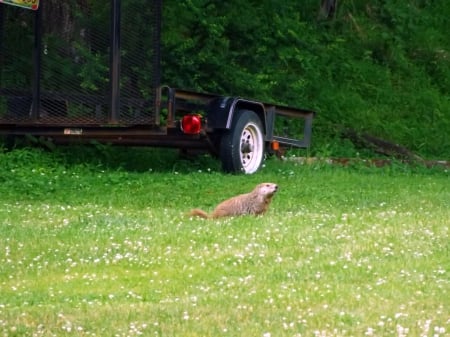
[74, 82]
[16, 55]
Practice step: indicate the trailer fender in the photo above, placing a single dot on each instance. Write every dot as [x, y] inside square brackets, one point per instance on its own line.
[222, 110]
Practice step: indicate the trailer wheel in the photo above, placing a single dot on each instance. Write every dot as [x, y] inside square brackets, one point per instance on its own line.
[242, 147]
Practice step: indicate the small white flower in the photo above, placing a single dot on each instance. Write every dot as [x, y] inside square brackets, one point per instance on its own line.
[369, 332]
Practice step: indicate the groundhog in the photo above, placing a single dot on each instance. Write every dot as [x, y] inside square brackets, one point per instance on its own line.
[256, 202]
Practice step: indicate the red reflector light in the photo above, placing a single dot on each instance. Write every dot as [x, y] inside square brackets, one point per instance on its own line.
[191, 124]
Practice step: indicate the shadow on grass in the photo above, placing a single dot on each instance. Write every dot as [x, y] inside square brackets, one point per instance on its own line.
[133, 159]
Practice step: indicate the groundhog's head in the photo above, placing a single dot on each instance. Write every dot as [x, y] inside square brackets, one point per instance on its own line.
[267, 189]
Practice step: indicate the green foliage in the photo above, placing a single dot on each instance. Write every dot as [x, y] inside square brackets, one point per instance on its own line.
[382, 67]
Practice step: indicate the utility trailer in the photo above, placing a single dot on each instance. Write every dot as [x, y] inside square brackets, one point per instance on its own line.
[78, 71]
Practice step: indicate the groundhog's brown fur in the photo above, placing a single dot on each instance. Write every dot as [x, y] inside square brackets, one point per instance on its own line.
[256, 202]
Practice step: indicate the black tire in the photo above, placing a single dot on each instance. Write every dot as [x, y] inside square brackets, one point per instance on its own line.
[242, 147]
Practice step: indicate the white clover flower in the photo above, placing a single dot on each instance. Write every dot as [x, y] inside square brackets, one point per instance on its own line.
[369, 331]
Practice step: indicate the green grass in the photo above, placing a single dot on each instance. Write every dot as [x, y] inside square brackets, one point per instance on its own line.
[105, 248]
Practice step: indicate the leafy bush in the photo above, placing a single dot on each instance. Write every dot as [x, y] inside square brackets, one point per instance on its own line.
[382, 67]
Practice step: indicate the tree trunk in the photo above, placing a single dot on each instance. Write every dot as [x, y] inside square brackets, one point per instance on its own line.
[380, 145]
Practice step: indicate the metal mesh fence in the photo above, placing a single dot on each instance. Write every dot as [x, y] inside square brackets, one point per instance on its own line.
[58, 65]
[16, 68]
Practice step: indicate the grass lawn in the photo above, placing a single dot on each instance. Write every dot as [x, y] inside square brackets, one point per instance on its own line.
[94, 250]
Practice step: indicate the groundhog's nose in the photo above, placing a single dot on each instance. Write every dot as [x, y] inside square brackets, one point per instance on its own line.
[276, 187]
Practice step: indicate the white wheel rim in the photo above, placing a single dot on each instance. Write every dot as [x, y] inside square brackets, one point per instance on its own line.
[252, 148]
